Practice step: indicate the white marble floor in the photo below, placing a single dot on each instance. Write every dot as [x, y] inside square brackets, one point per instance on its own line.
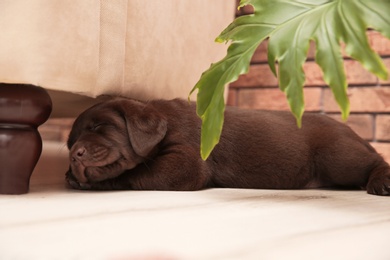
[52, 222]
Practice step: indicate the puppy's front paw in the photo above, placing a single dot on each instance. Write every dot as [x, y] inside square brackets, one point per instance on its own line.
[379, 183]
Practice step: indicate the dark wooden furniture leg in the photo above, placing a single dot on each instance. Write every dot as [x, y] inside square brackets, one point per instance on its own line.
[22, 109]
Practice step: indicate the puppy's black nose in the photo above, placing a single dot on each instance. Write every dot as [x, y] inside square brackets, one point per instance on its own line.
[79, 154]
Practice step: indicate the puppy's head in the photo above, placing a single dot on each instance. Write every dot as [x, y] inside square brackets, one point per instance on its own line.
[112, 137]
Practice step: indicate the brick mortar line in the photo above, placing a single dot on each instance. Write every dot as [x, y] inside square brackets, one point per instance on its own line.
[359, 113]
[387, 85]
[381, 142]
[310, 59]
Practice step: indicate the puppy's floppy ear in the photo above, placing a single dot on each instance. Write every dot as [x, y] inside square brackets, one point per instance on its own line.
[145, 125]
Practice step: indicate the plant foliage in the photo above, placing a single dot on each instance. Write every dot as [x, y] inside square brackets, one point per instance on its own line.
[290, 25]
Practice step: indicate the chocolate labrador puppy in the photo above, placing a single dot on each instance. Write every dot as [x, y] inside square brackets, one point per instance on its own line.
[127, 144]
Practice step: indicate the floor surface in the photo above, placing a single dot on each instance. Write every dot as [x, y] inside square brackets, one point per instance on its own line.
[53, 222]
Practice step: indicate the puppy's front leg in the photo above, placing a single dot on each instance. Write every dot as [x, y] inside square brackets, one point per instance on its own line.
[98, 174]
[110, 184]
[179, 170]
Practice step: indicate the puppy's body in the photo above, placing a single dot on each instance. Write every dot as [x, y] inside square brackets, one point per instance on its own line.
[126, 144]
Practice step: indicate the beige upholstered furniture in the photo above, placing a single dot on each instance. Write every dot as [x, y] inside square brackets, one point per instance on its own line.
[87, 48]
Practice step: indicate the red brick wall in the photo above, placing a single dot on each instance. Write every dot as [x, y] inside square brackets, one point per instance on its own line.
[369, 96]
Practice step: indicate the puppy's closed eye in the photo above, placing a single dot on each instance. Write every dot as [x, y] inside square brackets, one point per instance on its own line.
[97, 126]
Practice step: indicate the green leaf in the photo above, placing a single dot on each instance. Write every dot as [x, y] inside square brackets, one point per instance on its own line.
[211, 103]
[290, 26]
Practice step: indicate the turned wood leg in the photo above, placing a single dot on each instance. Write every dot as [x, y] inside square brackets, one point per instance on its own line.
[22, 109]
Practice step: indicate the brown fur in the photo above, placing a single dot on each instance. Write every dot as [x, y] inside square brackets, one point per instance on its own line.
[127, 144]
